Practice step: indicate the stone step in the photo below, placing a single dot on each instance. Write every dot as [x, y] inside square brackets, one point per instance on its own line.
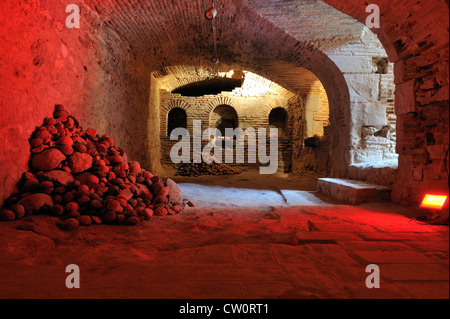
[353, 191]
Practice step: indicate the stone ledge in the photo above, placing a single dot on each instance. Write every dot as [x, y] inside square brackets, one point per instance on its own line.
[378, 173]
[352, 191]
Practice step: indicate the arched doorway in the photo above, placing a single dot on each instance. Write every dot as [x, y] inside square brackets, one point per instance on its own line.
[278, 118]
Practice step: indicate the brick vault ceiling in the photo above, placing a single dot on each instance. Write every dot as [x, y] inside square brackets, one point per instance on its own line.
[271, 38]
[175, 31]
[308, 20]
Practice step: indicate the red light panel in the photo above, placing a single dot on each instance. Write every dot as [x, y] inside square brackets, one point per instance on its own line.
[433, 201]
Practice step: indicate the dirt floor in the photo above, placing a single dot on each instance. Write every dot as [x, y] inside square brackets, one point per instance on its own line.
[249, 236]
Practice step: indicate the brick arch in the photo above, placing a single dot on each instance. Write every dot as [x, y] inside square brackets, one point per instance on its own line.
[173, 103]
[254, 41]
[270, 108]
[170, 105]
[277, 107]
[222, 100]
[285, 114]
[409, 29]
[231, 108]
[333, 81]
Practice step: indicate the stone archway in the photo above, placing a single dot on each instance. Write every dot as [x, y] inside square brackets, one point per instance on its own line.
[415, 37]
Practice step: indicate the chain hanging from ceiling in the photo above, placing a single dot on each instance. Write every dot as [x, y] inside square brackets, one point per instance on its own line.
[210, 14]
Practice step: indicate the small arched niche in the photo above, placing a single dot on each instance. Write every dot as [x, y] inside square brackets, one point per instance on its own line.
[278, 118]
[223, 117]
[176, 118]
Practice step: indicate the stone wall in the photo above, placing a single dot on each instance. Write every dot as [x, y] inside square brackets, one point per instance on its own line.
[371, 123]
[375, 122]
[253, 103]
[252, 110]
[415, 36]
[370, 80]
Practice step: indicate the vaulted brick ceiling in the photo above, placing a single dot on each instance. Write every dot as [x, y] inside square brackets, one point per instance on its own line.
[308, 20]
[179, 26]
[252, 33]
[265, 37]
[168, 32]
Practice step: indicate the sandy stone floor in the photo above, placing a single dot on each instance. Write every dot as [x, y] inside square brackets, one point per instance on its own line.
[247, 237]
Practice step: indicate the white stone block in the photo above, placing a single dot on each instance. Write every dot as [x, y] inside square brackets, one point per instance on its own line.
[353, 64]
[363, 87]
[369, 114]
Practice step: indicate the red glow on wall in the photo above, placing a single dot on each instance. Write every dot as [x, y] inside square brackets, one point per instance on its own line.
[433, 201]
